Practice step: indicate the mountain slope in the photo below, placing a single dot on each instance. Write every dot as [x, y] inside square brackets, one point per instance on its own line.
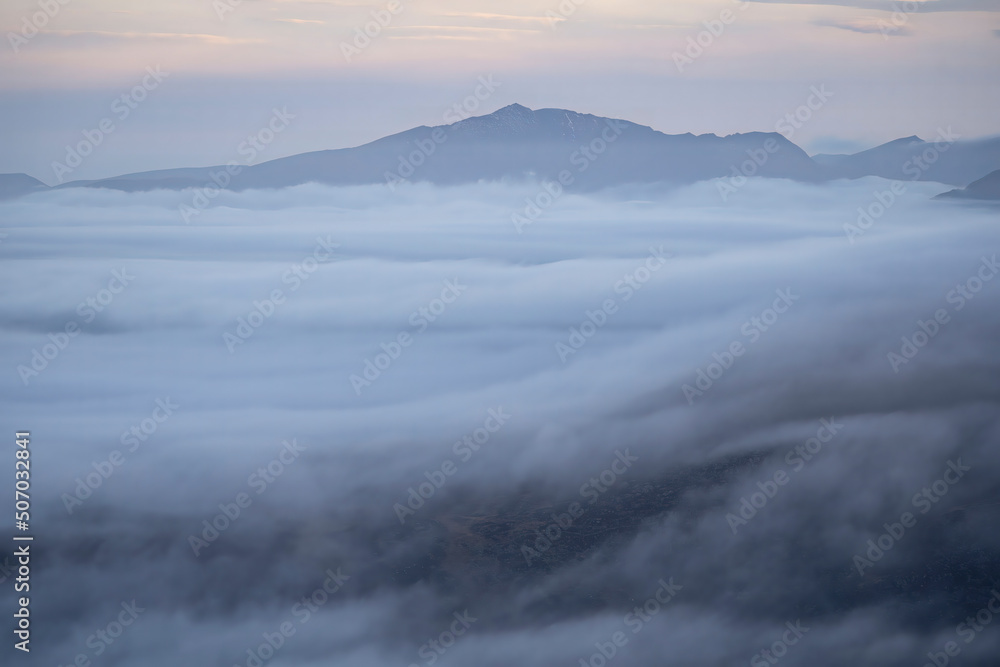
[985, 189]
[945, 160]
[585, 152]
[511, 144]
[15, 185]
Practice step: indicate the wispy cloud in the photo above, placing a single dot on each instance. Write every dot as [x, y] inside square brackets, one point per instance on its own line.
[167, 36]
[466, 28]
[457, 32]
[866, 27]
[301, 21]
[892, 6]
[464, 38]
[495, 17]
[331, 3]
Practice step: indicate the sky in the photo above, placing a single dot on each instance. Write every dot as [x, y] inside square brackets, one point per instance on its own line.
[893, 70]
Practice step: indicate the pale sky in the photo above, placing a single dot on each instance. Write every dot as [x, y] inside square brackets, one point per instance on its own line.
[229, 63]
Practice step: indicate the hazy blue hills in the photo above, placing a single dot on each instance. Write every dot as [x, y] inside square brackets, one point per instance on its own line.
[15, 185]
[945, 158]
[586, 152]
[986, 188]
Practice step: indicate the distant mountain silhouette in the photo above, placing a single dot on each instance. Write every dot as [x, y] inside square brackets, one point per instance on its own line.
[587, 152]
[514, 143]
[986, 189]
[15, 185]
[943, 160]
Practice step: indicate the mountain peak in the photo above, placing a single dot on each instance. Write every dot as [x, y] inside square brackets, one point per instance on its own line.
[15, 185]
[512, 108]
[511, 120]
[511, 112]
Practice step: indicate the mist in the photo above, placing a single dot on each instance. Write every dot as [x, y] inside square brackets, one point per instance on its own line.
[410, 402]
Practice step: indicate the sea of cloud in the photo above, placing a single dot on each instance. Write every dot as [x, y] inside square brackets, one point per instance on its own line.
[674, 281]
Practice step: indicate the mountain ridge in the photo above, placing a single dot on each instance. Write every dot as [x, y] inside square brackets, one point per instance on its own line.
[517, 143]
[512, 143]
[986, 188]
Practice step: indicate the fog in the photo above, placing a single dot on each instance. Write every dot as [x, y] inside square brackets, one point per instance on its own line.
[721, 334]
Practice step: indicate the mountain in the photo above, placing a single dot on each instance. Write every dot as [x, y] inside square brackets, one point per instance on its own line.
[585, 152]
[15, 185]
[517, 143]
[513, 143]
[946, 159]
[986, 189]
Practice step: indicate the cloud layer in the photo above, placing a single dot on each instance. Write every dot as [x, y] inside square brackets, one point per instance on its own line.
[718, 378]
